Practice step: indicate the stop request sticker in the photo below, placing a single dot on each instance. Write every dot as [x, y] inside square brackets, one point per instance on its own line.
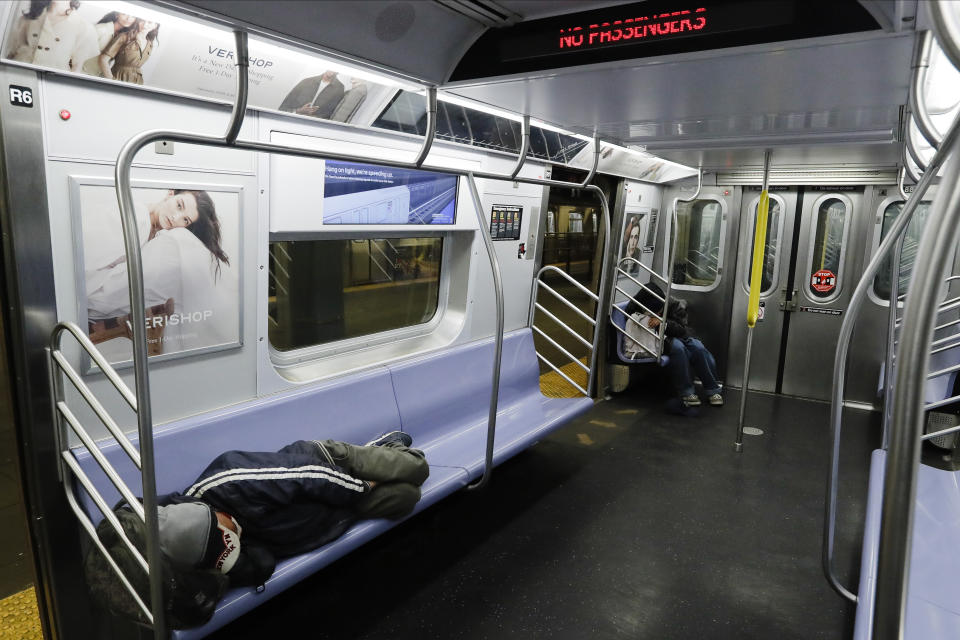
[823, 281]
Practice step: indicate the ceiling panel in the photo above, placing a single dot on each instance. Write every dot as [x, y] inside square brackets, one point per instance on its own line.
[844, 87]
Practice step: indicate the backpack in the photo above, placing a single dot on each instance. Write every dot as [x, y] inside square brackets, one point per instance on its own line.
[190, 597]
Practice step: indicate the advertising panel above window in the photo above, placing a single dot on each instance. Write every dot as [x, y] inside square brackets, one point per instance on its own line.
[136, 45]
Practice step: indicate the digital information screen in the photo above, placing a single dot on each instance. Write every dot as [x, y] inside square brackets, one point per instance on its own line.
[505, 221]
[646, 23]
[355, 193]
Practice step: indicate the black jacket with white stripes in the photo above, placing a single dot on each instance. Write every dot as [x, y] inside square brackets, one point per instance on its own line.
[291, 501]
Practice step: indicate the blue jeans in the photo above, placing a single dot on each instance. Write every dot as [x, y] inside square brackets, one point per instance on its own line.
[688, 354]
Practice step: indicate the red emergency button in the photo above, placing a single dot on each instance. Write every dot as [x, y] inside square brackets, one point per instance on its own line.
[64, 114]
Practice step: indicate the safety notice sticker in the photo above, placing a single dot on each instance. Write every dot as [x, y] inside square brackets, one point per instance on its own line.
[823, 281]
[822, 311]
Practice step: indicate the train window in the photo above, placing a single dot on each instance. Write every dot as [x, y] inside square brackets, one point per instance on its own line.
[321, 291]
[698, 243]
[774, 230]
[881, 283]
[827, 251]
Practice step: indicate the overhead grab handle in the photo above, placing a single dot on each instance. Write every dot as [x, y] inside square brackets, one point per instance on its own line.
[431, 126]
[596, 161]
[243, 86]
[524, 146]
[918, 103]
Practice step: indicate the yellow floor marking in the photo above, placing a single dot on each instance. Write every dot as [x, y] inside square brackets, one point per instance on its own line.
[19, 618]
[553, 385]
[628, 412]
[607, 425]
[584, 439]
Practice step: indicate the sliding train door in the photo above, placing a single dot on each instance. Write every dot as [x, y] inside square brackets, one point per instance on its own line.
[768, 333]
[812, 262]
[827, 267]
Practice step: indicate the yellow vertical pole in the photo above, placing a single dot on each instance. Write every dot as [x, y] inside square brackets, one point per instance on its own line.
[756, 280]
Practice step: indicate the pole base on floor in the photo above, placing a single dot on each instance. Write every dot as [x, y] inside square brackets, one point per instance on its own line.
[738, 447]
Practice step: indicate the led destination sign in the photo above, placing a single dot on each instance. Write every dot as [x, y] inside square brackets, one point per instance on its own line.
[653, 26]
[645, 24]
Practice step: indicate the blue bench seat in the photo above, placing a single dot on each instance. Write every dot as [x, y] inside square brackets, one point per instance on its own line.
[933, 599]
[441, 399]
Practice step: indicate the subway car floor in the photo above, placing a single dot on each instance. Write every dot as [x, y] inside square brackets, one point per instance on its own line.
[627, 523]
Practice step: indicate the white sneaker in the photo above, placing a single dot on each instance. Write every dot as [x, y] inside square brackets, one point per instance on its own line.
[693, 400]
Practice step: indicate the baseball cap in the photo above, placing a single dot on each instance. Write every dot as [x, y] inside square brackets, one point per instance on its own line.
[192, 537]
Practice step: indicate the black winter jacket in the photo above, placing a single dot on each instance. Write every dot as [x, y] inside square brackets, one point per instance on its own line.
[290, 501]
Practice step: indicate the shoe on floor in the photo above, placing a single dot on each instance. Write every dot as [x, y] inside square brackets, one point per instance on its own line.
[693, 400]
[715, 400]
[394, 436]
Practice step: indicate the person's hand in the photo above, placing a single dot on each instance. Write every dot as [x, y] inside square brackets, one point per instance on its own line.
[307, 110]
[653, 323]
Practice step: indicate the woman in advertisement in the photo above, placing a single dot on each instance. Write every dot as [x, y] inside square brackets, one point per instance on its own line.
[631, 244]
[129, 50]
[181, 252]
[108, 27]
[50, 34]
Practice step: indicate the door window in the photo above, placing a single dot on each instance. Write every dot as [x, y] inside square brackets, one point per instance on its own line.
[881, 283]
[698, 243]
[774, 230]
[829, 233]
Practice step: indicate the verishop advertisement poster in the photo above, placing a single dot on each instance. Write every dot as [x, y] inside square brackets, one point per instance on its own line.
[190, 244]
[356, 193]
[137, 46]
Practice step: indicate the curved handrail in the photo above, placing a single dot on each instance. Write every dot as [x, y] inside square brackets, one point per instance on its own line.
[498, 337]
[673, 235]
[900, 176]
[911, 145]
[946, 25]
[524, 146]
[903, 458]
[906, 166]
[916, 98]
[431, 127]
[596, 162]
[843, 347]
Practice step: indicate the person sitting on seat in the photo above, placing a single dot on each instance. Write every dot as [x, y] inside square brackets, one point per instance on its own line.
[687, 355]
[247, 509]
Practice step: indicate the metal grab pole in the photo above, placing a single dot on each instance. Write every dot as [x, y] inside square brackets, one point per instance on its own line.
[498, 336]
[671, 247]
[946, 24]
[431, 127]
[756, 276]
[843, 347]
[917, 100]
[524, 146]
[134, 261]
[894, 299]
[903, 458]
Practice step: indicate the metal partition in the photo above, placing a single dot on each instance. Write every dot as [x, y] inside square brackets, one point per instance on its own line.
[918, 326]
[140, 400]
[69, 468]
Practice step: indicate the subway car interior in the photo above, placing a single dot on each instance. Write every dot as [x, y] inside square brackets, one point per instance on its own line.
[619, 275]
